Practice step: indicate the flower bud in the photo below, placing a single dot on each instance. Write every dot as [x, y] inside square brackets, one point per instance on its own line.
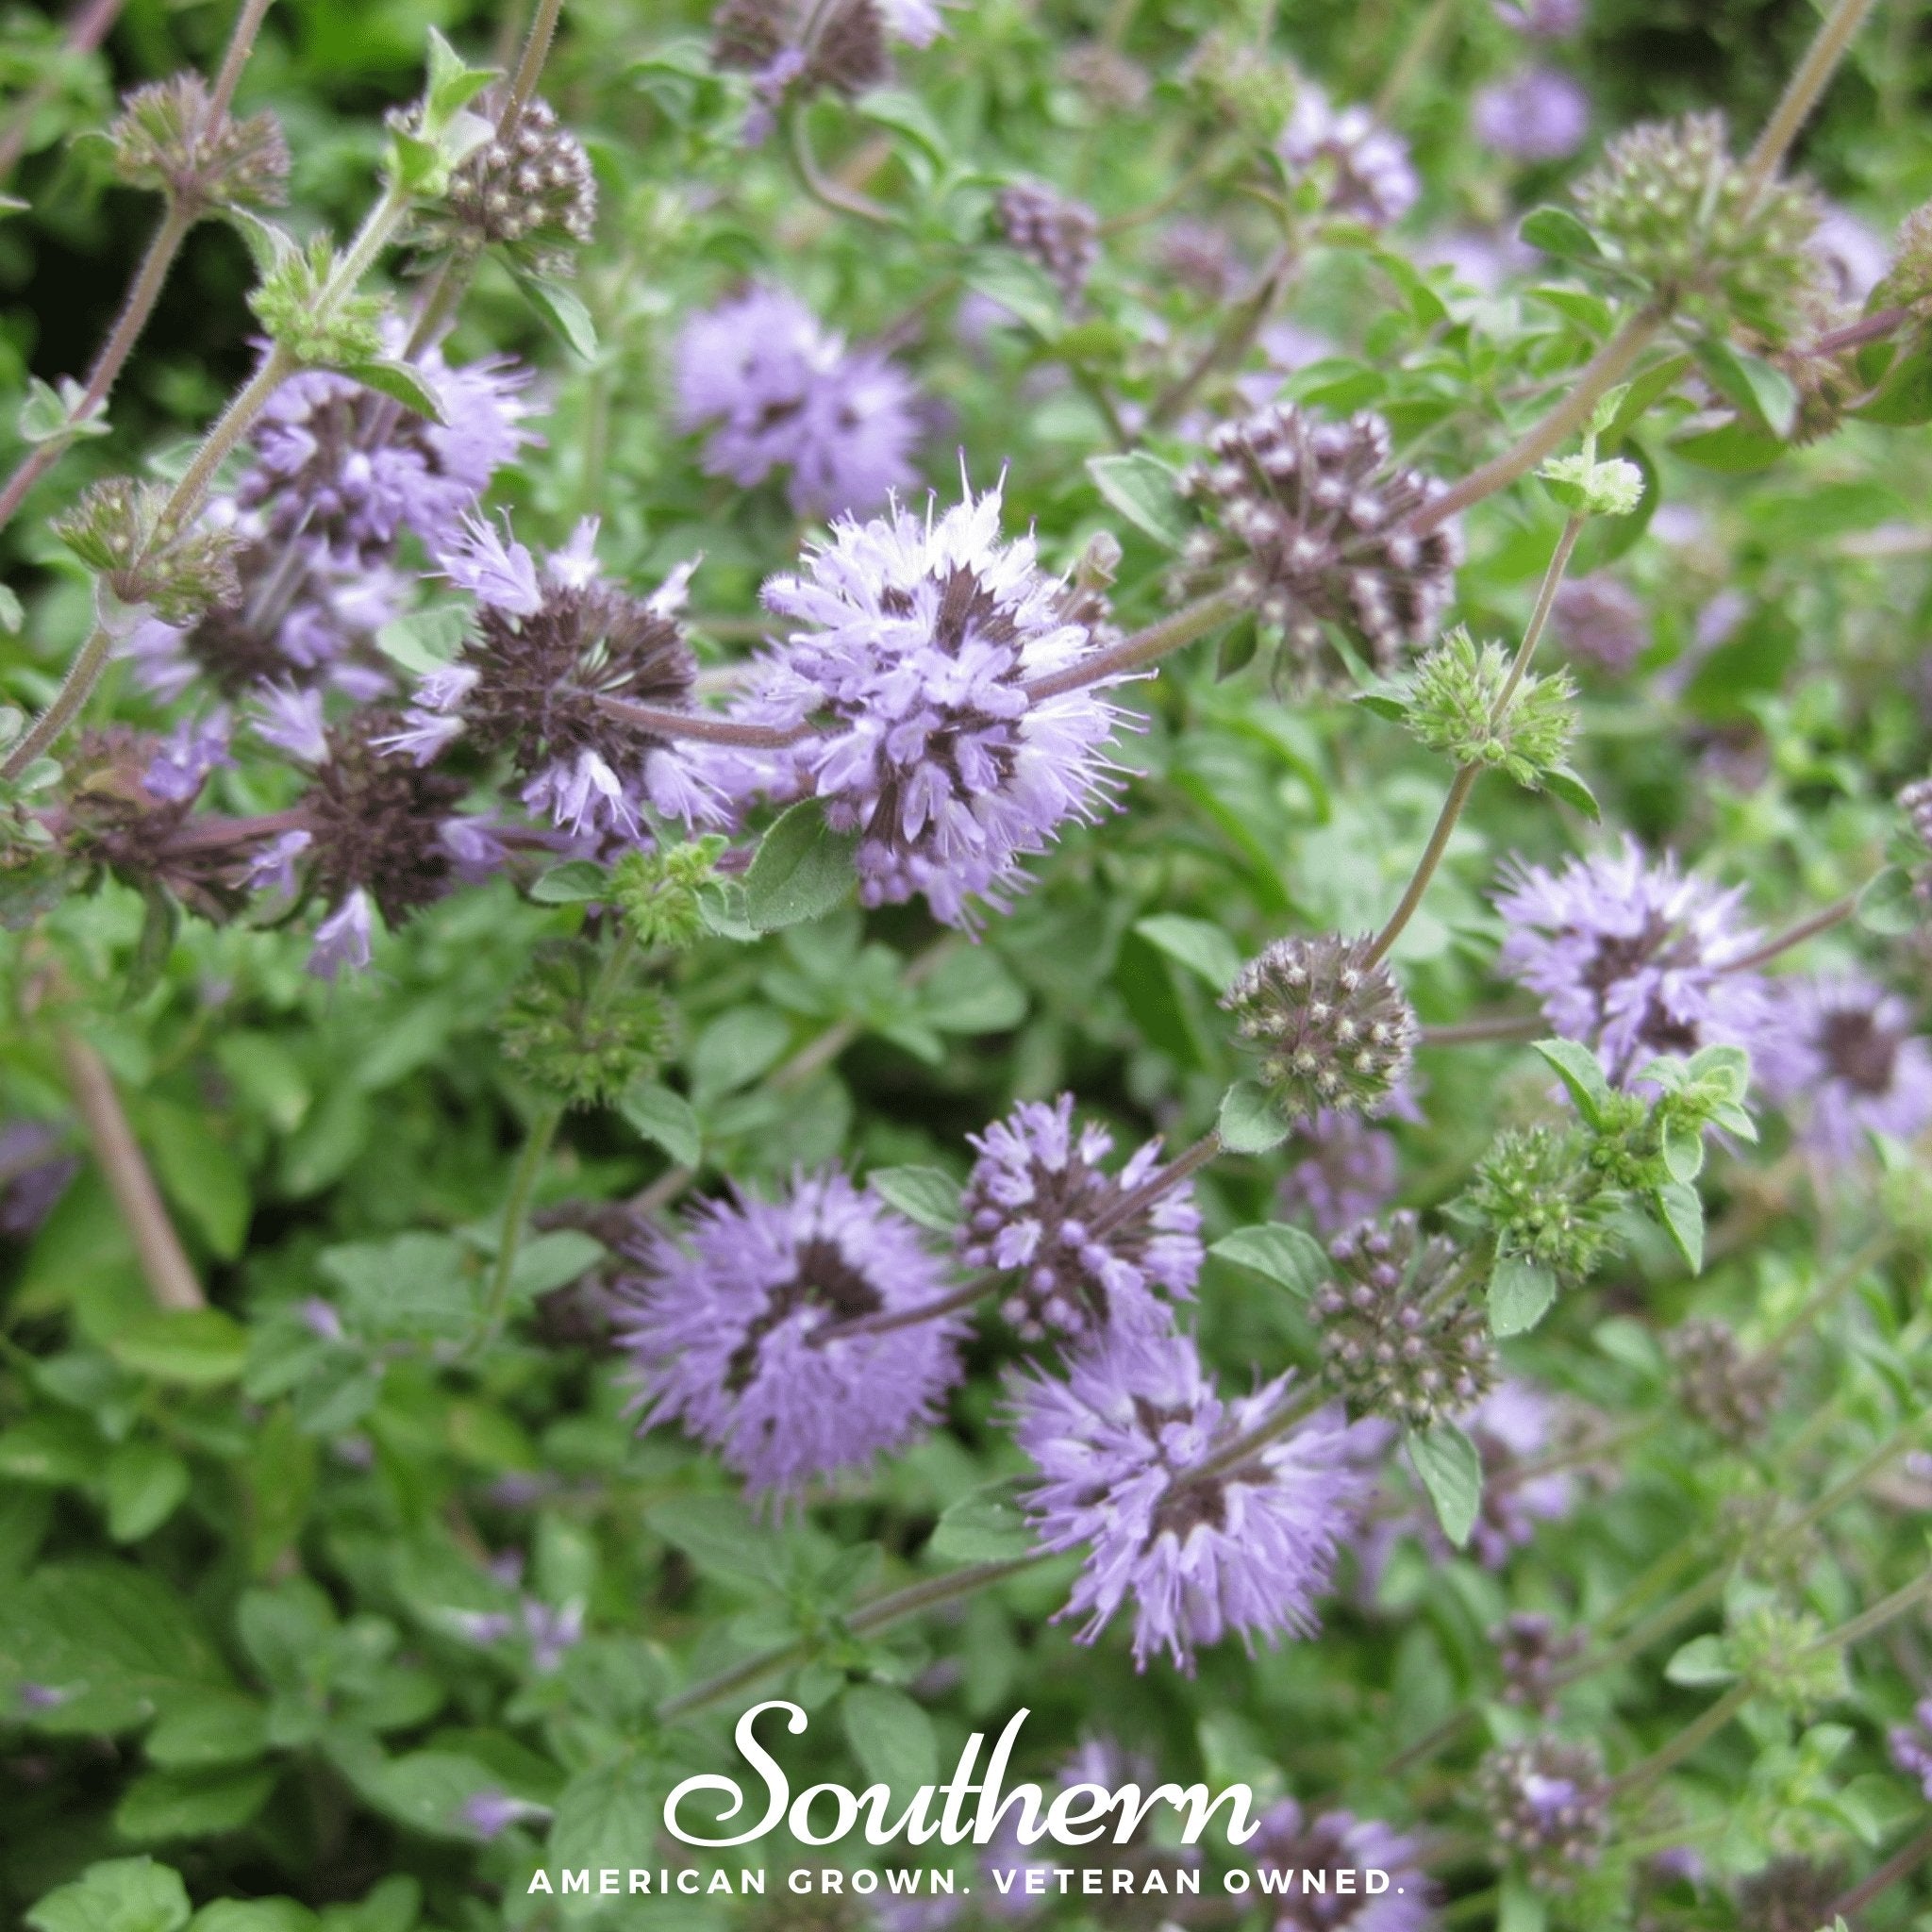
[120, 529]
[163, 139]
[1456, 707]
[1549, 1805]
[578, 1038]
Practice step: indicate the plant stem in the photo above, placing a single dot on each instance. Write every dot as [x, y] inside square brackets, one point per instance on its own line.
[1601, 373]
[530, 68]
[230, 427]
[1908, 1856]
[1230, 341]
[170, 1276]
[82, 675]
[1163, 1180]
[1540, 614]
[522, 1183]
[1834, 914]
[220, 95]
[1410, 61]
[702, 726]
[1145, 647]
[954, 1301]
[867, 1617]
[1497, 1026]
[1813, 74]
[822, 187]
[1691, 1739]
[1887, 1610]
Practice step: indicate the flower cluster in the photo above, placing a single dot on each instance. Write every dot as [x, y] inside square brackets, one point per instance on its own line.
[1842, 1051]
[778, 391]
[1730, 1391]
[1548, 1805]
[530, 192]
[1363, 169]
[1062, 236]
[1310, 1853]
[1038, 1205]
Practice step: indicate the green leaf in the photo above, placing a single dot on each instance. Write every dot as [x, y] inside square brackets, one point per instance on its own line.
[1019, 287]
[667, 1119]
[1289, 1257]
[1451, 1472]
[1700, 1663]
[922, 1194]
[599, 1813]
[1889, 905]
[1521, 1293]
[143, 1485]
[1520, 1906]
[415, 1284]
[891, 1735]
[574, 882]
[1681, 1210]
[802, 870]
[119, 1896]
[1683, 1150]
[1146, 491]
[190, 1803]
[972, 992]
[983, 1527]
[1250, 1121]
[218, 1727]
[1577, 1067]
[425, 641]
[1556, 232]
[402, 382]
[1199, 944]
[1559, 781]
[1761, 393]
[254, 1915]
[428, 1789]
[1733, 449]
[11, 618]
[718, 1536]
[198, 1347]
[1902, 398]
[200, 1171]
[549, 1262]
[562, 310]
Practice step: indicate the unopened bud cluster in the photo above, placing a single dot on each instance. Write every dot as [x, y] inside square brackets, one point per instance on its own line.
[580, 1037]
[1785, 1658]
[1313, 528]
[1549, 1807]
[1332, 1026]
[1061, 235]
[1460, 704]
[1679, 217]
[121, 529]
[661, 891]
[531, 192]
[1730, 1391]
[1394, 1342]
[1537, 1190]
[166, 139]
[320, 326]
[1532, 1653]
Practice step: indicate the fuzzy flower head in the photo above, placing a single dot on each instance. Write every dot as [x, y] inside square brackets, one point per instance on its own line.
[1038, 1203]
[1364, 168]
[1301, 1857]
[919, 637]
[794, 49]
[1332, 1026]
[1062, 236]
[1124, 1448]
[533, 194]
[1531, 1653]
[1538, 114]
[1679, 219]
[1549, 1807]
[780, 390]
[1844, 1051]
[1393, 1344]
[1312, 528]
[1632, 956]
[552, 644]
[728, 1330]
[1730, 1391]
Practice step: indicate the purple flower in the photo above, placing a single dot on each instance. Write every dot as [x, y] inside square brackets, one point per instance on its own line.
[187, 756]
[1538, 114]
[1306, 1863]
[1600, 620]
[1036, 1203]
[1845, 1050]
[1123, 1447]
[1513, 1426]
[1347, 1173]
[727, 1331]
[922, 636]
[782, 391]
[1547, 20]
[918, 22]
[320, 1318]
[292, 721]
[497, 571]
[34, 1174]
[344, 938]
[491, 1812]
[1853, 258]
[273, 868]
[1369, 176]
[551, 1631]
[1632, 956]
[1912, 1745]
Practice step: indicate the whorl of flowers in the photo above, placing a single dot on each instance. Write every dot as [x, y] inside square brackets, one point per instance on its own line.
[549, 646]
[1844, 1052]
[1346, 1172]
[920, 635]
[1363, 167]
[1791, 1895]
[533, 193]
[1121, 1447]
[1537, 114]
[165, 138]
[1632, 956]
[1549, 1807]
[1600, 621]
[1312, 527]
[1466, 701]
[1728, 1389]
[780, 390]
[1332, 1026]
[798, 48]
[726, 1328]
[1300, 1858]
[1531, 1652]
[1676, 215]
[1061, 235]
[1393, 1344]
[1036, 1204]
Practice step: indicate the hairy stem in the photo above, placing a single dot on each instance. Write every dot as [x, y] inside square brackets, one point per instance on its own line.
[1145, 647]
[1687, 1741]
[1230, 341]
[1834, 914]
[530, 68]
[875, 1615]
[230, 427]
[220, 95]
[170, 1276]
[701, 727]
[82, 675]
[1813, 74]
[1412, 59]
[1908, 1858]
[1163, 1180]
[1601, 373]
